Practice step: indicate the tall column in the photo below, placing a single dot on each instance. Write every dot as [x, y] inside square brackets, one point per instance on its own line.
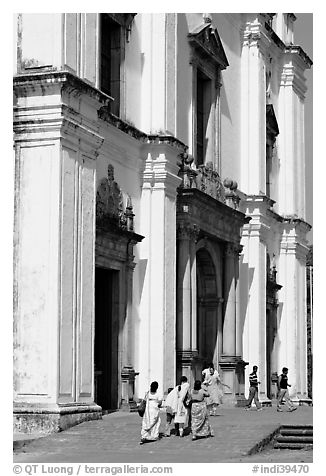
[229, 336]
[253, 109]
[231, 361]
[292, 334]
[128, 373]
[157, 314]
[291, 153]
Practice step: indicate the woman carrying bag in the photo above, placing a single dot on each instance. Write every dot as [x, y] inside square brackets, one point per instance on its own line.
[151, 418]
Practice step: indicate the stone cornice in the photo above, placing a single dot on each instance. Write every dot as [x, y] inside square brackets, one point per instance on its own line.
[215, 219]
[292, 247]
[299, 223]
[254, 35]
[26, 83]
[292, 74]
[105, 115]
[297, 50]
[166, 140]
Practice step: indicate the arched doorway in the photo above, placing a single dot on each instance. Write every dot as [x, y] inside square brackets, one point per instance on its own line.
[209, 323]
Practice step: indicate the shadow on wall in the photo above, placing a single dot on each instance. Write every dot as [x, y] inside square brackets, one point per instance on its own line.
[246, 277]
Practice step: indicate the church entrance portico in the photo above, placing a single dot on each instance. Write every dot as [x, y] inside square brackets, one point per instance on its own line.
[208, 247]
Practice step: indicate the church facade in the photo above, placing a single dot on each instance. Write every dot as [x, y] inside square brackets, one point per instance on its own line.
[159, 208]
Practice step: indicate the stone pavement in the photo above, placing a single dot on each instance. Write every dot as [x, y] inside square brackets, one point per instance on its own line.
[115, 439]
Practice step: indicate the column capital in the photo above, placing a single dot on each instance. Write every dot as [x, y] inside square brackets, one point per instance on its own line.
[232, 249]
[186, 356]
[187, 231]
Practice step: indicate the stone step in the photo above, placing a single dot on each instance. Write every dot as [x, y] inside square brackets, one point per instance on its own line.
[293, 446]
[294, 439]
[296, 432]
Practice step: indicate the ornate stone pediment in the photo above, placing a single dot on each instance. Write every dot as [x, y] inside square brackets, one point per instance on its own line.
[206, 41]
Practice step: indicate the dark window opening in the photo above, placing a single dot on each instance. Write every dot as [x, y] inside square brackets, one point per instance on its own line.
[110, 61]
[203, 105]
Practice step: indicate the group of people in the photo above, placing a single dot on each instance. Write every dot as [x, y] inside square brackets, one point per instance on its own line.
[184, 407]
[191, 408]
[283, 396]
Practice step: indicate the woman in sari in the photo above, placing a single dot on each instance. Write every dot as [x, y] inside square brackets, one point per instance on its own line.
[200, 426]
[151, 420]
[182, 413]
[213, 384]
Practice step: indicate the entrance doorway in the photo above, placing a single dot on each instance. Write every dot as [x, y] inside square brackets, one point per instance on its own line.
[106, 338]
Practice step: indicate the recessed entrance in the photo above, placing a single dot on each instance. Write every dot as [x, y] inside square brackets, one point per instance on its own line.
[208, 319]
[106, 338]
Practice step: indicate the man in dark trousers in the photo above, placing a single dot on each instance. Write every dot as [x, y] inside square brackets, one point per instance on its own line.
[253, 390]
[283, 391]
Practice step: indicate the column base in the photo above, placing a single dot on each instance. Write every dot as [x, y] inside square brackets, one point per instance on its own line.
[233, 375]
[265, 401]
[186, 365]
[241, 401]
[38, 418]
[128, 406]
[305, 401]
[128, 376]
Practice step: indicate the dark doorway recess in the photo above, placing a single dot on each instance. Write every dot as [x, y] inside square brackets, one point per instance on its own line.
[106, 338]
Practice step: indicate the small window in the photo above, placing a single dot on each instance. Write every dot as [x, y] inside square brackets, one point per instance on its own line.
[110, 61]
[203, 107]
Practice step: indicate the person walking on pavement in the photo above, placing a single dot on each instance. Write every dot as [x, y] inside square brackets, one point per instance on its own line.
[283, 392]
[253, 390]
[170, 405]
[213, 384]
[151, 420]
[182, 412]
[200, 426]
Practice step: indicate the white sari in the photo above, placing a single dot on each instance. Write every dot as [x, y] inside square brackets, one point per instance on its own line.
[182, 412]
[151, 419]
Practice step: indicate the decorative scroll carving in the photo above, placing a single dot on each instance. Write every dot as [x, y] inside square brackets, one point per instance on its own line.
[110, 211]
[209, 181]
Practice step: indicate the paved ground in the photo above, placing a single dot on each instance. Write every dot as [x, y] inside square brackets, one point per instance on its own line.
[115, 439]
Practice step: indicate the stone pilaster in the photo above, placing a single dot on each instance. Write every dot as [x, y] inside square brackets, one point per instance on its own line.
[157, 325]
[54, 279]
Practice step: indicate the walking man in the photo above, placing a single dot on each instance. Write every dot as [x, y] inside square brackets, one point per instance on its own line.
[283, 391]
[253, 390]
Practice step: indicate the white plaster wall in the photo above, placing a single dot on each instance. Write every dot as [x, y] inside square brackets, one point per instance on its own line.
[228, 28]
[134, 61]
[153, 73]
[36, 274]
[184, 81]
[41, 38]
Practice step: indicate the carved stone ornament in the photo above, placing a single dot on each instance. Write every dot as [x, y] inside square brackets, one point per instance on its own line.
[110, 211]
[209, 181]
[205, 178]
